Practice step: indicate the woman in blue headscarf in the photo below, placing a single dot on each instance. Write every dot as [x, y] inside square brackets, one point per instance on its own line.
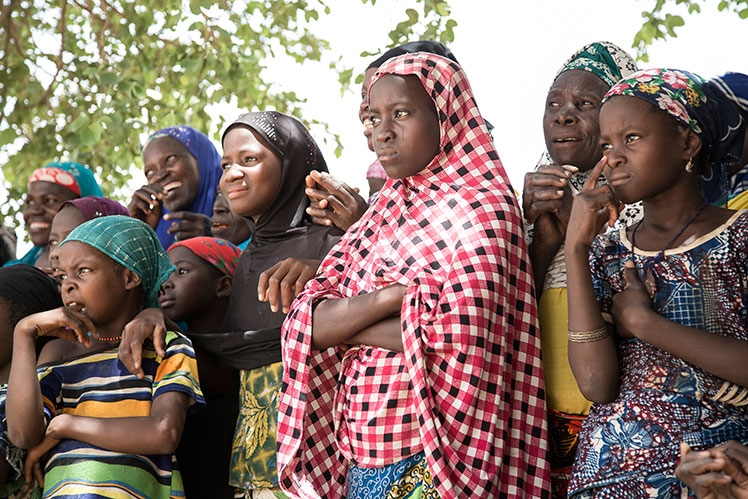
[182, 168]
[48, 188]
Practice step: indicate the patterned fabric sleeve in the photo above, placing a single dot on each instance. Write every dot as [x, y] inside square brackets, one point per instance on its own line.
[178, 371]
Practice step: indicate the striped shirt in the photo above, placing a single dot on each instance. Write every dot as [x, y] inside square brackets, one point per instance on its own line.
[98, 385]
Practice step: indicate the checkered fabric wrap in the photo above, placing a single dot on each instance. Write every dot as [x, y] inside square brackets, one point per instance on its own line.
[468, 389]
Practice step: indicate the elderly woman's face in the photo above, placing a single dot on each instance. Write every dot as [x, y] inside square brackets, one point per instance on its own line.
[171, 166]
[571, 121]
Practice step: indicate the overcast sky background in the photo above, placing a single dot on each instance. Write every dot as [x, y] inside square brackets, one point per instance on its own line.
[510, 52]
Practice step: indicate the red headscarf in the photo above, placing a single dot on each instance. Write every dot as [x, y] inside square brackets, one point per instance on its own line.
[468, 390]
[218, 252]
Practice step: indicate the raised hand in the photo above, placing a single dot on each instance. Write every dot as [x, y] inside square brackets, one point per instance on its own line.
[147, 204]
[187, 224]
[282, 282]
[333, 202]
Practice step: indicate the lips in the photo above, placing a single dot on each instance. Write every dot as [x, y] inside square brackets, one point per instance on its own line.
[78, 307]
[565, 140]
[236, 192]
[166, 301]
[39, 226]
[614, 181]
[386, 155]
[171, 186]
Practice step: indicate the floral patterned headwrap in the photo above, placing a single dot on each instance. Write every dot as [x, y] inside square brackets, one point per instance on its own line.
[699, 105]
[218, 252]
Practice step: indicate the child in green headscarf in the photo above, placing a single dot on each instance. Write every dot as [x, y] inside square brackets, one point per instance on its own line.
[126, 427]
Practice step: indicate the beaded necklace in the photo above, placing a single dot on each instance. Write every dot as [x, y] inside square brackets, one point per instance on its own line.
[650, 263]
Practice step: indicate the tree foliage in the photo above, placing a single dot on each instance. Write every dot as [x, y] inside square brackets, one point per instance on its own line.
[660, 23]
[84, 80]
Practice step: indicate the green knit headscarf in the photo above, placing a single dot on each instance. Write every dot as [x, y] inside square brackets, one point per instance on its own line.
[132, 244]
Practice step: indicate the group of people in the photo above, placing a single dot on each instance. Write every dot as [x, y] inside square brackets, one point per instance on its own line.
[250, 326]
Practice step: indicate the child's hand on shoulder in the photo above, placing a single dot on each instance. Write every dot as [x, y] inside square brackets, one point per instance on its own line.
[592, 208]
[61, 322]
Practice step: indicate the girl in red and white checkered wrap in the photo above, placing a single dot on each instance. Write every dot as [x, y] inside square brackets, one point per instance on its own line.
[412, 362]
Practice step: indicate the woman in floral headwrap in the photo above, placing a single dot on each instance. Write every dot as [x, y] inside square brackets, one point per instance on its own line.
[658, 330]
[412, 362]
[572, 136]
[48, 188]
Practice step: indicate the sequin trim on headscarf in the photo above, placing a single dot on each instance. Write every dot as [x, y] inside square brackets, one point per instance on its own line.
[94, 207]
[605, 60]
[73, 176]
[218, 252]
[699, 105]
[132, 244]
[452, 234]
[209, 171]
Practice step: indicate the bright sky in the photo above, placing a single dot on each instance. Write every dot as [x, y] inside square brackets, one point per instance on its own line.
[511, 51]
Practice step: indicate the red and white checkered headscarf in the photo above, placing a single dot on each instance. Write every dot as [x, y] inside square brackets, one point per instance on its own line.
[468, 390]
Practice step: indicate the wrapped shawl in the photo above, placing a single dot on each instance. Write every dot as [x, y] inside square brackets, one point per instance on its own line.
[470, 377]
[251, 331]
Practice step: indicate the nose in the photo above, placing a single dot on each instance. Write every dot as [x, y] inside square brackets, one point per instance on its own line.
[54, 258]
[168, 284]
[383, 132]
[614, 158]
[566, 114]
[232, 173]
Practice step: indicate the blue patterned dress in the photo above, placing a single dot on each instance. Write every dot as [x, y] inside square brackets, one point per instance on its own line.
[628, 448]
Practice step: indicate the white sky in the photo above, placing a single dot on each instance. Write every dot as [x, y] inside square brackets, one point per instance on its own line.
[511, 51]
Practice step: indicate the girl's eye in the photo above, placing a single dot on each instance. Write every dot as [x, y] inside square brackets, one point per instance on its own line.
[250, 159]
[50, 201]
[182, 271]
[225, 165]
[62, 277]
[374, 120]
[401, 113]
[631, 138]
[551, 103]
[52, 242]
[148, 174]
[605, 147]
[83, 270]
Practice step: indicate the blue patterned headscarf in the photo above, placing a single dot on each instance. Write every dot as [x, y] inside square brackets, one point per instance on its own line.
[209, 169]
[131, 243]
[701, 106]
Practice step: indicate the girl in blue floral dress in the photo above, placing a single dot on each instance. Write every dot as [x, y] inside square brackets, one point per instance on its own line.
[658, 311]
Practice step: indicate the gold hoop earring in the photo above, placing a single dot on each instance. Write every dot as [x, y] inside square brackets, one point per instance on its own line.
[689, 165]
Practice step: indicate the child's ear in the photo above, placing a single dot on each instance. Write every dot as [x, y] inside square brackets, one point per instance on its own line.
[223, 286]
[132, 280]
[692, 144]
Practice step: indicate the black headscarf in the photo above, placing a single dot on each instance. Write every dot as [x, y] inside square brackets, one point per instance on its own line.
[29, 288]
[413, 47]
[251, 336]
[299, 155]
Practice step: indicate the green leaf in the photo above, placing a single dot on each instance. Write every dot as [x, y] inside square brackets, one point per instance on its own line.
[80, 123]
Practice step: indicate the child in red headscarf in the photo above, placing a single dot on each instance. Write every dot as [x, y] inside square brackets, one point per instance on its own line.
[197, 293]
